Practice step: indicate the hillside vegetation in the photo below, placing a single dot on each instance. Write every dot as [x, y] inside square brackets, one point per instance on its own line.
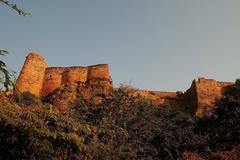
[120, 127]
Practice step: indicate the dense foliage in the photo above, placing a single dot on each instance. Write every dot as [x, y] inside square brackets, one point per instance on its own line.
[120, 127]
[6, 77]
[222, 127]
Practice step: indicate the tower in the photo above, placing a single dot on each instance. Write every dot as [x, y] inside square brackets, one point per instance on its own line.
[32, 74]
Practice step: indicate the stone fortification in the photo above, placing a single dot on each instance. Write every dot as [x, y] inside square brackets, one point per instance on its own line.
[41, 80]
[157, 97]
[199, 99]
[31, 77]
[208, 91]
[52, 79]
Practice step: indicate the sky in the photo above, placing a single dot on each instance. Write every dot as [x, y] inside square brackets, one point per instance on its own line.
[149, 44]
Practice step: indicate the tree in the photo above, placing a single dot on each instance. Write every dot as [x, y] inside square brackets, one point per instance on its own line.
[237, 81]
[5, 75]
[14, 7]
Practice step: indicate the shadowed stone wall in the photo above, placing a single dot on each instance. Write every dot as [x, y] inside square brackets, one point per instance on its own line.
[208, 92]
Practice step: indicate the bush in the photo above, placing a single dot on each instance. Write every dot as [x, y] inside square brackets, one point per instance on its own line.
[26, 98]
[152, 131]
[123, 126]
[222, 127]
[237, 81]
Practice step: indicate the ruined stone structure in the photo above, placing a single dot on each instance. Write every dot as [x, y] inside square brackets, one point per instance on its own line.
[207, 92]
[39, 79]
[199, 99]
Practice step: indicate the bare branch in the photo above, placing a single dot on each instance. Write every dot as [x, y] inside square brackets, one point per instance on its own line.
[14, 7]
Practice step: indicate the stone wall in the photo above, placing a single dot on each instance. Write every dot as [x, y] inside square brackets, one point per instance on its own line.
[41, 80]
[157, 97]
[200, 98]
[208, 92]
[52, 80]
[75, 74]
[31, 77]
[189, 101]
[100, 71]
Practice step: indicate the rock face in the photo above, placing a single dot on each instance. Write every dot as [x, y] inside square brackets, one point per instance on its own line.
[66, 82]
[31, 77]
[41, 80]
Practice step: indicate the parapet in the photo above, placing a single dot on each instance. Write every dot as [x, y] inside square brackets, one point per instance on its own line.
[100, 71]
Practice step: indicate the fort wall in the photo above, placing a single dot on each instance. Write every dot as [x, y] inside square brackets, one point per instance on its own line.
[200, 98]
[41, 80]
[52, 79]
[75, 74]
[208, 92]
[157, 97]
[100, 71]
[189, 99]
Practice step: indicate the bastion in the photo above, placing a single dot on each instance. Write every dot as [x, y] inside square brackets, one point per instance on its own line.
[39, 79]
[31, 77]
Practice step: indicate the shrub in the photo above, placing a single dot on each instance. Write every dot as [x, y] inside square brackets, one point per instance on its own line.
[26, 98]
[237, 81]
[222, 127]
[123, 126]
[152, 131]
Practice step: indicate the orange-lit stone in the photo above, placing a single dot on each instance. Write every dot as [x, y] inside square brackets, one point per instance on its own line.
[41, 80]
[75, 74]
[100, 71]
[31, 77]
[52, 79]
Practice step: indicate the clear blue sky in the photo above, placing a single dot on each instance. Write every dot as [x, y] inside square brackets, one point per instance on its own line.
[151, 44]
